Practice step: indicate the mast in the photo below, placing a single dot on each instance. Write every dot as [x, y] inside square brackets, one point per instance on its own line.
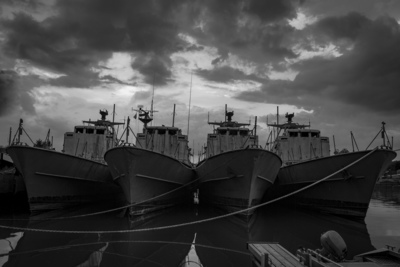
[112, 143]
[9, 137]
[277, 115]
[173, 117]
[152, 99]
[255, 128]
[127, 130]
[226, 110]
[190, 100]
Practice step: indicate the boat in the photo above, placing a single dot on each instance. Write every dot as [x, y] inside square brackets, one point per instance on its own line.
[235, 171]
[156, 172]
[76, 175]
[307, 160]
[12, 187]
[332, 253]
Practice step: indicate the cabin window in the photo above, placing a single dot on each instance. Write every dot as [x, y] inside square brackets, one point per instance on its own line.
[89, 130]
[172, 132]
[252, 137]
[233, 132]
[150, 131]
[314, 135]
[78, 130]
[181, 137]
[100, 131]
[213, 136]
[292, 134]
[161, 131]
[324, 139]
[141, 135]
[243, 133]
[222, 132]
[70, 134]
[304, 134]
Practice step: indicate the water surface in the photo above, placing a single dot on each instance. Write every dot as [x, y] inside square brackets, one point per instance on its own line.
[112, 240]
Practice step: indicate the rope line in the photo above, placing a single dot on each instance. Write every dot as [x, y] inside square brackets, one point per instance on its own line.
[49, 249]
[193, 222]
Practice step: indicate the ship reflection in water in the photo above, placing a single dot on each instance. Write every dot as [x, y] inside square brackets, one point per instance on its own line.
[214, 243]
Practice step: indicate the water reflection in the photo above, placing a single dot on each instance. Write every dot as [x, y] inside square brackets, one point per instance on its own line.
[388, 194]
[221, 242]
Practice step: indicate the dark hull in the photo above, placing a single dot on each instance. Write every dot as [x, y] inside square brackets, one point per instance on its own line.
[348, 193]
[238, 179]
[56, 180]
[143, 175]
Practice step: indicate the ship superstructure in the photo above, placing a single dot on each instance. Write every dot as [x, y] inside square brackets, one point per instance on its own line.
[91, 141]
[296, 142]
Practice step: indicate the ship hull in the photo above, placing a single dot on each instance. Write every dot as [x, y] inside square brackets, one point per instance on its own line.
[237, 180]
[144, 175]
[55, 180]
[347, 193]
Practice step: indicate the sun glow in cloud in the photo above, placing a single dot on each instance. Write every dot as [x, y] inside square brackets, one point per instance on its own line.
[302, 20]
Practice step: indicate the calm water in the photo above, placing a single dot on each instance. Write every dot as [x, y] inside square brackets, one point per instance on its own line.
[217, 243]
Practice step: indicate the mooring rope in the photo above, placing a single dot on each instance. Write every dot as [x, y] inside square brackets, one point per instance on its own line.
[189, 223]
[49, 249]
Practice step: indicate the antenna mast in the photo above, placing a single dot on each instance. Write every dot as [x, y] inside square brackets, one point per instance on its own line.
[152, 98]
[173, 117]
[190, 100]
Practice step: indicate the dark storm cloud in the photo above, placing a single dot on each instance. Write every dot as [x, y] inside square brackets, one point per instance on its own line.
[15, 92]
[255, 31]
[366, 76]
[272, 10]
[80, 34]
[155, 69]
[86, 32]
[226, 74]
[7, 91]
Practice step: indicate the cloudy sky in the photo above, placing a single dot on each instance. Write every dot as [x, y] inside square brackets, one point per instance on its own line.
[334, 63]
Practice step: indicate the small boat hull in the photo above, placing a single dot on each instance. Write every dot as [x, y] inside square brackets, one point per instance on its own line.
[348, 193]
[55, 180]
[237, 180]
[144, 175]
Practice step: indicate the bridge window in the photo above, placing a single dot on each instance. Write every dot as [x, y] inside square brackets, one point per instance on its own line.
[243, 133]
[161, 131]
[150, 131]
[89, 130]
[100, 131]
[304, 134]
[314, 135]
[233, 132]
[222, 132]
[172, 132]
[79, 130]
[292, 134]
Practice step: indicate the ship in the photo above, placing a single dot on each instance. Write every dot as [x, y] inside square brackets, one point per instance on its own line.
[307, 160]
[235, 171]
[155, 173]
[77, 175]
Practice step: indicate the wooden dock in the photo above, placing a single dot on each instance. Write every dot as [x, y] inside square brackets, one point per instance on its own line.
[272, 255]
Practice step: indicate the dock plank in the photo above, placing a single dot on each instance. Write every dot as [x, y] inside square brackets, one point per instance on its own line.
[276, 255]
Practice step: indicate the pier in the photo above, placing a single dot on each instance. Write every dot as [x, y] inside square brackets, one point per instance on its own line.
[272, 255]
